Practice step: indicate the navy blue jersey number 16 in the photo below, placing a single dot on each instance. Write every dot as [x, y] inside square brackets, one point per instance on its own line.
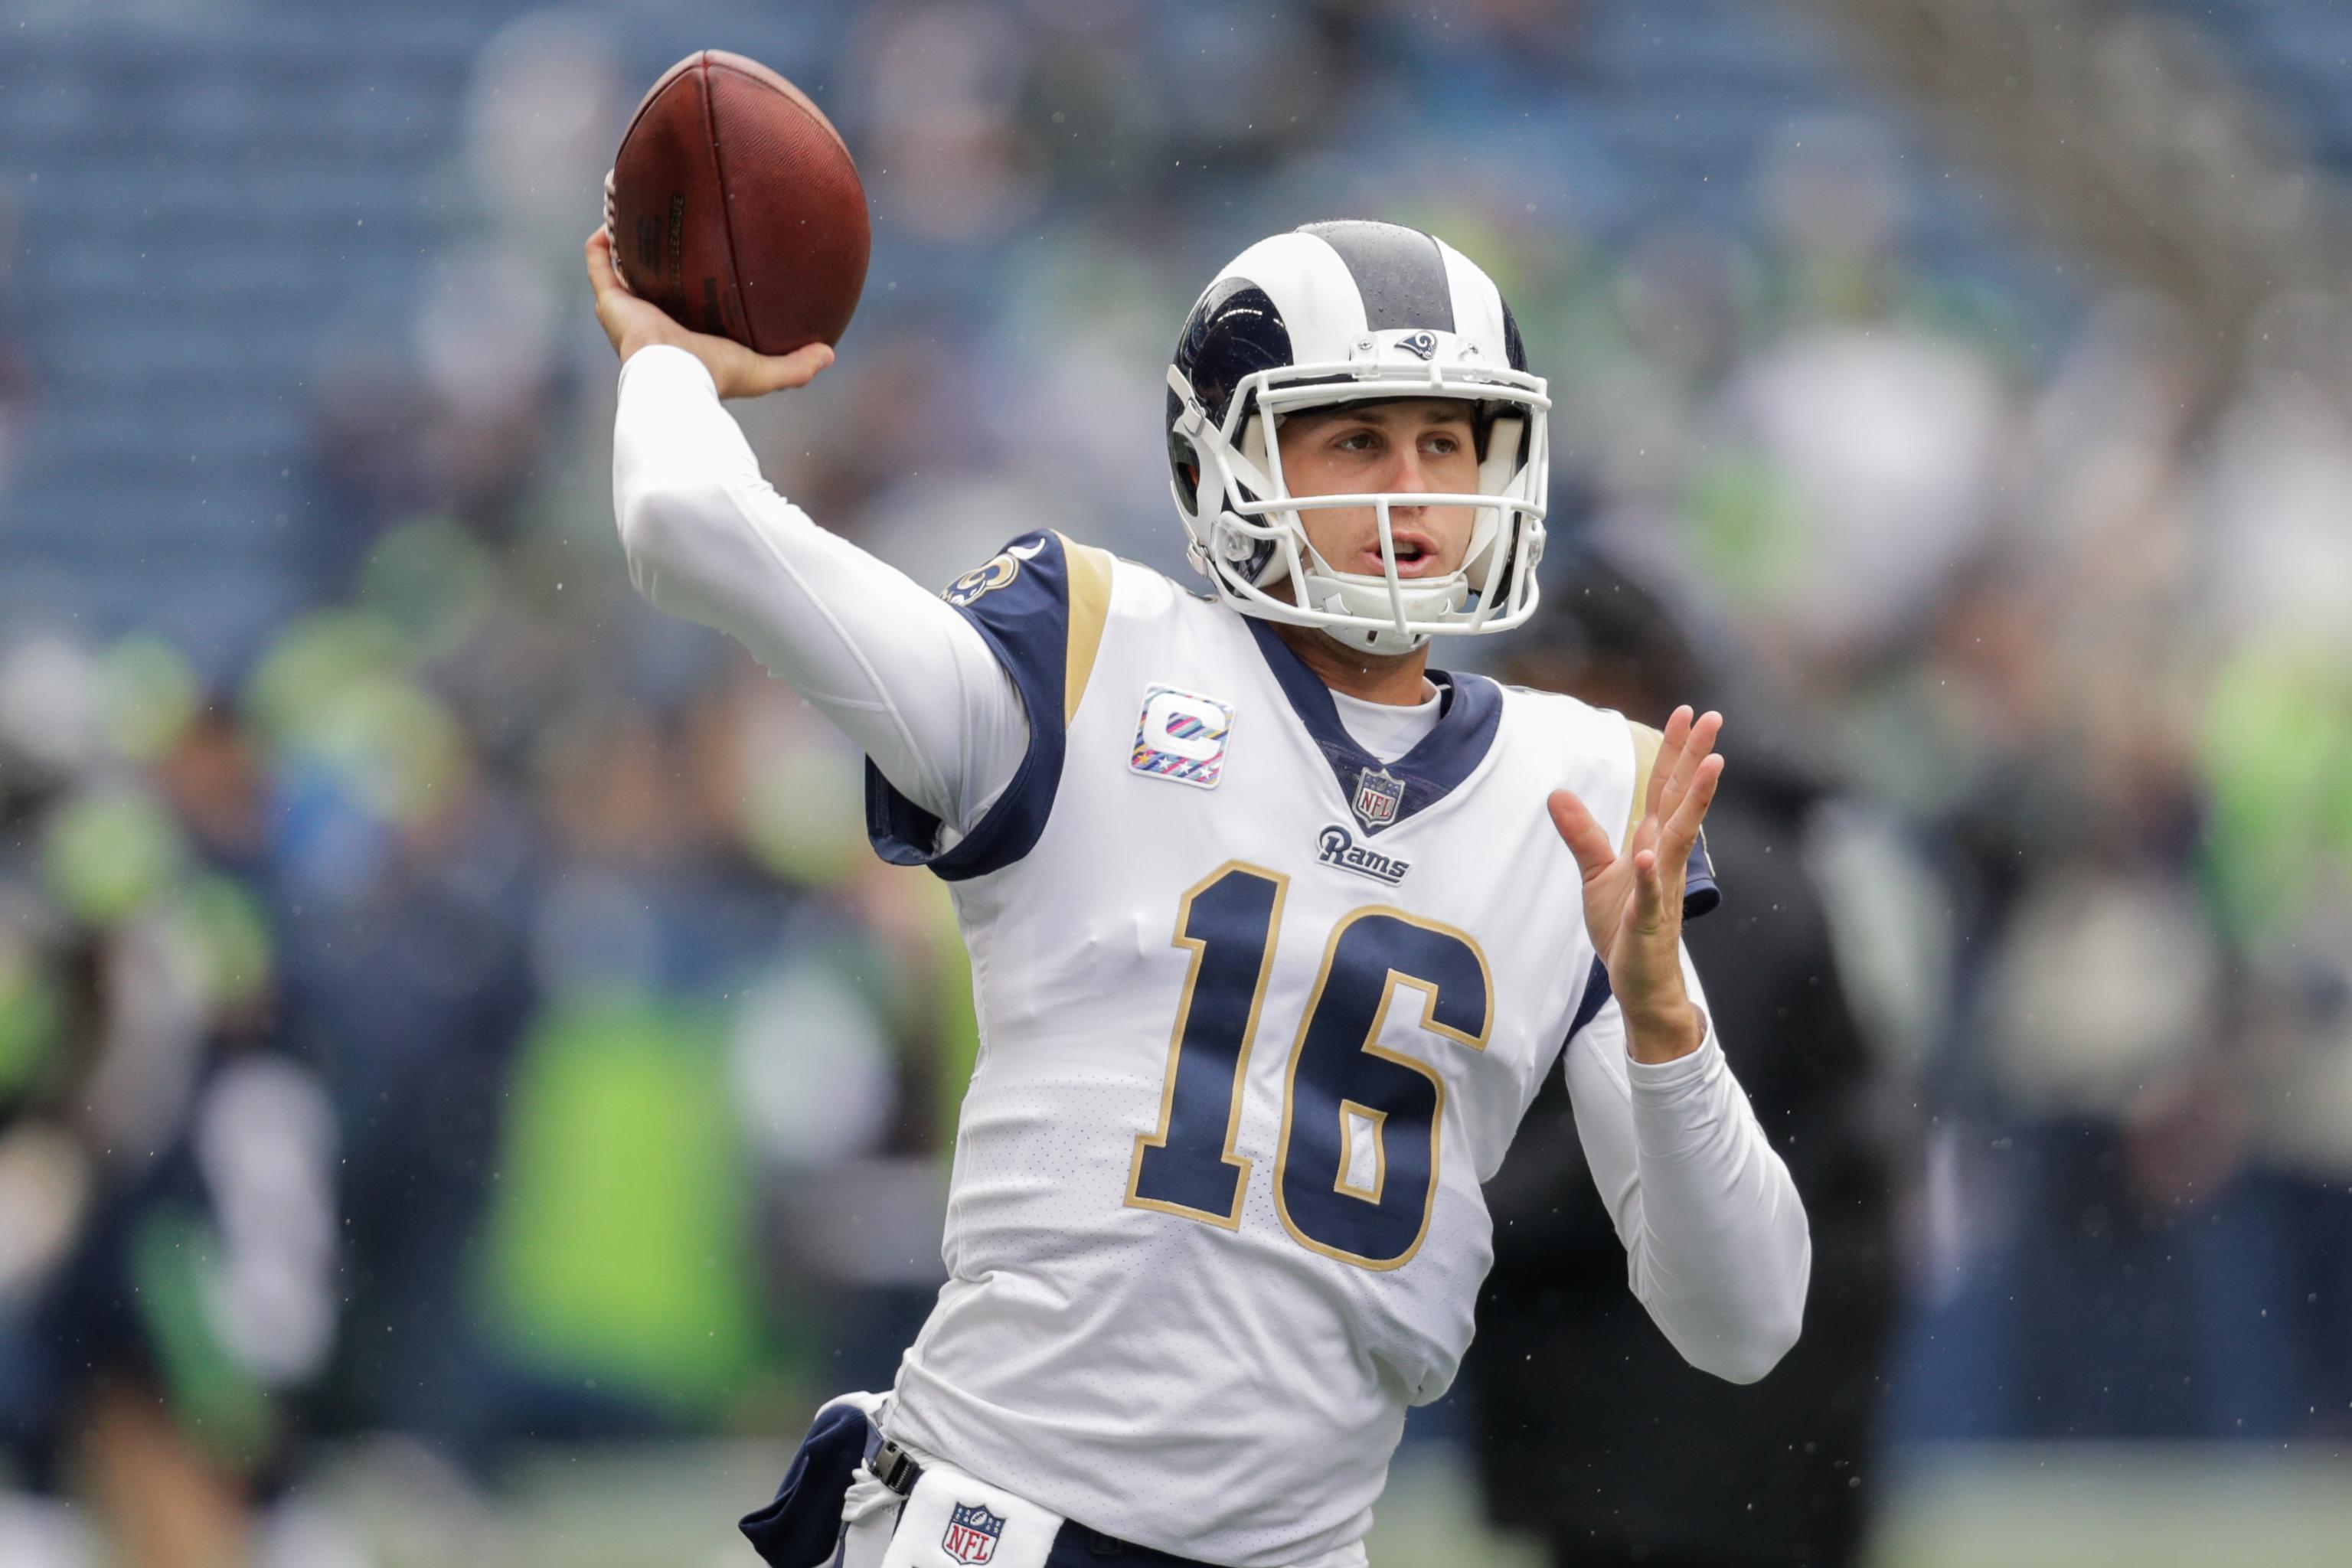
[1356, 1174]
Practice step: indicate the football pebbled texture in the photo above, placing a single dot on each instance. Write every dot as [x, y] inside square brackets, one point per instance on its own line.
[735, 206]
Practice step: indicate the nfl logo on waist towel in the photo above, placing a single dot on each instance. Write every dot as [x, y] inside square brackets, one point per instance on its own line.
[973, 1534]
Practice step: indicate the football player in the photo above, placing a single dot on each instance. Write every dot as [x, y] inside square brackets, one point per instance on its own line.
[1273, 928]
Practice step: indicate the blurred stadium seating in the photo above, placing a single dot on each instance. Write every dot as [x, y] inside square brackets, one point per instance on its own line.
[211, 202]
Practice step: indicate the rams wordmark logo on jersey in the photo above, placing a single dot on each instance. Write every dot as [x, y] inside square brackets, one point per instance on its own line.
[1335, 846]
[973, 1534]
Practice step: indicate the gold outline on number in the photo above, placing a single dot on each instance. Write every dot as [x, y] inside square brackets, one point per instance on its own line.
[1379, 1119]
[1232, 1218]
[1395, 981]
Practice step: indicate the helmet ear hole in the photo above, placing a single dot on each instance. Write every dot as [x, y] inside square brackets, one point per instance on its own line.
[1183, 461]
[1185, 468]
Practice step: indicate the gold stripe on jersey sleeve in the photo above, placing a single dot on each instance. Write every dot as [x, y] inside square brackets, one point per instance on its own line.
[1089, 571]
[1646, 742]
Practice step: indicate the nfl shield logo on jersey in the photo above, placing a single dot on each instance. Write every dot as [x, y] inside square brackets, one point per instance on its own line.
[1378, 793]
[973, 1534]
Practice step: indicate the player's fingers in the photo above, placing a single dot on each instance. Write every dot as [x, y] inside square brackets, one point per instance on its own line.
[805, 362]
[1681, 830]
[1697, 744]
[1646, 834]
[1583, 836]
[599, 250]
[779, 372]
[1670, 751]
[1649, 891]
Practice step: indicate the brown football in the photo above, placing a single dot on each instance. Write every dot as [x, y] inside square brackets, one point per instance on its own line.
[735, 206]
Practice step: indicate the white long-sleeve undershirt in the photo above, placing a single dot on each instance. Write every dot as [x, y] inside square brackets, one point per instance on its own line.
[906, 677]
[1717, 1244]
[1716, 1238]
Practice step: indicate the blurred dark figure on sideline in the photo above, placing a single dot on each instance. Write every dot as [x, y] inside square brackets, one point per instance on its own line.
[168, 1246]
[1591, 1431]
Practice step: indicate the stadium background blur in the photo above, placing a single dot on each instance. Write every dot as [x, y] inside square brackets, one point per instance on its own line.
[449, 1017]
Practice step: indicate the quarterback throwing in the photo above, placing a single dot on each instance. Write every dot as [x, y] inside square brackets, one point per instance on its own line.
[1275, 930]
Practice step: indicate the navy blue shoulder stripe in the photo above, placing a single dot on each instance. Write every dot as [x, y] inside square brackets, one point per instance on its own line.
[1020, 600]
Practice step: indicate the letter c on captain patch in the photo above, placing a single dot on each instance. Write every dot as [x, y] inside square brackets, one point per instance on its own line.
[1182, 737]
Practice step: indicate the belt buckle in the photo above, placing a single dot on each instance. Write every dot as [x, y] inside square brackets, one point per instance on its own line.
[895, 1467]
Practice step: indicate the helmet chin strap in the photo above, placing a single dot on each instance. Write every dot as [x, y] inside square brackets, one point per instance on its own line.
[1385, 640]
[1355, 594]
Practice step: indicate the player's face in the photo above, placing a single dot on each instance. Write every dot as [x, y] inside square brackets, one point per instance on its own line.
[1420, 445]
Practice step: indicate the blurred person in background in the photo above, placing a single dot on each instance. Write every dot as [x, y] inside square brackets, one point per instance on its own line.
[404, 865]
[1844, 466]
[2089, 1272]
[168, 1197]
[614, 1267]
[1988, 610]
[2271, 749]
[1588, 1432]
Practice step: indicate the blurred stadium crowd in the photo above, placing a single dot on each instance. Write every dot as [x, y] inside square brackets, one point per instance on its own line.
[439, 996]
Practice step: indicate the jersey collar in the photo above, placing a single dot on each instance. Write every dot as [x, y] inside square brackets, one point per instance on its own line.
[1469, 709]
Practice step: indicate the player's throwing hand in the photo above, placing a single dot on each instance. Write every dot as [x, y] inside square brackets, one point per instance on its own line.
[633, 323]
[1632, 901]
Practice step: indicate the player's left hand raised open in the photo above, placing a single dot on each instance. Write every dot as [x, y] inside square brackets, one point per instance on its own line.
[1632, 901]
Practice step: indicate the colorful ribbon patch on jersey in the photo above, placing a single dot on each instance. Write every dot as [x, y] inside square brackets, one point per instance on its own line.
[1182, 737]
[973, 1534]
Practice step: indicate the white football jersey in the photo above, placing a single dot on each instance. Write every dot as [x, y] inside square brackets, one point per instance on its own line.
[1258, 1015]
